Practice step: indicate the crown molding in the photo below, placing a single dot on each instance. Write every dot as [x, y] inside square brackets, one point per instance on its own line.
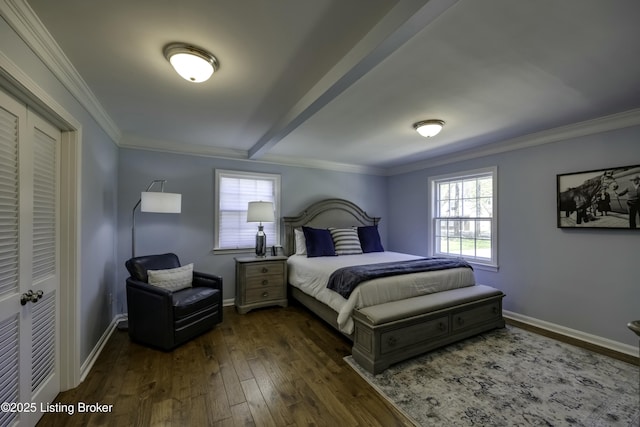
[563, 133]
[177, 147]
[28, 26]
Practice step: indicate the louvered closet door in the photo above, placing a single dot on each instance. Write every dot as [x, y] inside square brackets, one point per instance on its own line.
[29, 283]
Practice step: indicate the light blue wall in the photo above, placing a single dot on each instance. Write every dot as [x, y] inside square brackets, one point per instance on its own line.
[585, 280]
[190, 233]
[580, 279]
[97, 198]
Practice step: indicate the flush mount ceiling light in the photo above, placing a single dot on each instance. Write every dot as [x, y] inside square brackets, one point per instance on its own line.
[192, 63]
[429, 128]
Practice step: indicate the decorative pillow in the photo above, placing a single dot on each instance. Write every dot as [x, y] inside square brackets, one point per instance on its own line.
[319, 242]
[301, 244]
[370, 239]
[346, 241]
[172, 279]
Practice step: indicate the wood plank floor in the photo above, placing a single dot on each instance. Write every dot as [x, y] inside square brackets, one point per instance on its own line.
[270, 367]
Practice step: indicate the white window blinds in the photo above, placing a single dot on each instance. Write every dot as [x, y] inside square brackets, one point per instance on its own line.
[234, 191]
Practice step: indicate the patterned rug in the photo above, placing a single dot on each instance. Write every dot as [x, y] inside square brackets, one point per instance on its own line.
[511, 377]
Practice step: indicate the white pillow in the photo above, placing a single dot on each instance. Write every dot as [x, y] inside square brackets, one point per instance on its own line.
[301, 243]
[172, 279]
[346, 241]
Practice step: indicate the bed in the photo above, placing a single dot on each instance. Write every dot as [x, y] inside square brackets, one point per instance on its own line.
[389, 318]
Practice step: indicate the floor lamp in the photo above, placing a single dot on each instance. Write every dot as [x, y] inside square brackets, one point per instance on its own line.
[154, 201]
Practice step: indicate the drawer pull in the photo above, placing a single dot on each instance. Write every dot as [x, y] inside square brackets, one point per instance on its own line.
[460, 321]
[495, 310]
[441, 326]
[265, 270]
[392, 341]
[265, 282]
[265, 294]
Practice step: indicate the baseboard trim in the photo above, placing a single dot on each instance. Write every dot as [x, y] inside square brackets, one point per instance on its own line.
[95, 353]
[617, 350]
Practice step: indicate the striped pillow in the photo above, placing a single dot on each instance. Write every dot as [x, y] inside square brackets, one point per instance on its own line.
[346, 241]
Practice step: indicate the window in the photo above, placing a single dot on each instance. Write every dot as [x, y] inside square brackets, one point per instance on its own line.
[463, 216]
[234, 191]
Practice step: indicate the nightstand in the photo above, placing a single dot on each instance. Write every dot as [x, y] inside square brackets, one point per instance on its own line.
[260, 282]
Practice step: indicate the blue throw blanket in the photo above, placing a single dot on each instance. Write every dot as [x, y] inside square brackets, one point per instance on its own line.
[344, 280]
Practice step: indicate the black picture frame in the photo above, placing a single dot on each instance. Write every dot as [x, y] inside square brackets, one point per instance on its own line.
[600, 198]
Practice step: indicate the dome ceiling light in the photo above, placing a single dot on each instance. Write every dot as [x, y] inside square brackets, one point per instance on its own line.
[429, 128]
[192, 63]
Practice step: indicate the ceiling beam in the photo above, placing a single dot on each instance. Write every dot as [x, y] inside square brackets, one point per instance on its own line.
[403, 22]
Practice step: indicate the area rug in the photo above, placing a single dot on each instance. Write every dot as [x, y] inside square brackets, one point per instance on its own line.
[511, 377]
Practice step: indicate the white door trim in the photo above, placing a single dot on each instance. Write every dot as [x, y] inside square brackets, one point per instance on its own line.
[19, 84]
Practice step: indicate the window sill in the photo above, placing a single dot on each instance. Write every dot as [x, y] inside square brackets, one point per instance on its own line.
[484, 267]
[219, 251]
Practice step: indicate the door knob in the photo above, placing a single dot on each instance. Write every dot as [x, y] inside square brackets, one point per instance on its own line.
[30, 296]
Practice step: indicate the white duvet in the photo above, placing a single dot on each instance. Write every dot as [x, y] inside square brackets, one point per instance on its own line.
[311, 276]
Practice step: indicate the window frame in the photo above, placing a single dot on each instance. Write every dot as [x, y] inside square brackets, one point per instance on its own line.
[481, 263]
[227, 173]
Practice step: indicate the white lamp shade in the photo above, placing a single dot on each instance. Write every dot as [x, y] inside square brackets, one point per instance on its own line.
[260, 212]
[429, 128]
[159, 202]
[192, 67]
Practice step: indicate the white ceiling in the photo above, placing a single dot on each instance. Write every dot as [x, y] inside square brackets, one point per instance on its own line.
[342, 82]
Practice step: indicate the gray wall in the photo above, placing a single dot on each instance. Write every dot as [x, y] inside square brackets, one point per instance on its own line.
[585, 280]
[190, 233]
[98, 196]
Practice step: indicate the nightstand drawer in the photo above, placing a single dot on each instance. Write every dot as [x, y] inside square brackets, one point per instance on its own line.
[264, 268]
[264, 294]
[259, 282]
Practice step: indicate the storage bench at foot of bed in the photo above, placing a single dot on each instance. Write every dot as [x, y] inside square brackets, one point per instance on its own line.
[395, 331]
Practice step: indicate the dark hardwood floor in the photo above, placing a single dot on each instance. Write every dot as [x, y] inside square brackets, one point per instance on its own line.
[270, 367]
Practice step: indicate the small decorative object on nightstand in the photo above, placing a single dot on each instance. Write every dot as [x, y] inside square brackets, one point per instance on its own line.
[260, 282]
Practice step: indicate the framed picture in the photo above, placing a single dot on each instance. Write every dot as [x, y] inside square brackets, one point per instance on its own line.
[605, 198]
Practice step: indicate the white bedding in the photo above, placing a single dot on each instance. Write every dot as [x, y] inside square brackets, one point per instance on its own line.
[311, 276]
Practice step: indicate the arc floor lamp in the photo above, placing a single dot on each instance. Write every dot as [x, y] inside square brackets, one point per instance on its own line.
[154, 201]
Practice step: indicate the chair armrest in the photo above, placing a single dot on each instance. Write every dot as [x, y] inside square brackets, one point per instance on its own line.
[208, 280]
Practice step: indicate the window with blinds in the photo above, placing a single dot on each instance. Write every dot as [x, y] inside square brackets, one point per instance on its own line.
[9, 203]
[234, 191]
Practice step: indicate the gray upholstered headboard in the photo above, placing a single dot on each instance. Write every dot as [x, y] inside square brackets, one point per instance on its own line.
[322, 214]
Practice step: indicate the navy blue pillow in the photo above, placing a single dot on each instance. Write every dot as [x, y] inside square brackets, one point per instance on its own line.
[370, 239]
[319, 242]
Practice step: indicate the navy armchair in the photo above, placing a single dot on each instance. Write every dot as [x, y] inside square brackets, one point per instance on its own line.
[165, 319]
